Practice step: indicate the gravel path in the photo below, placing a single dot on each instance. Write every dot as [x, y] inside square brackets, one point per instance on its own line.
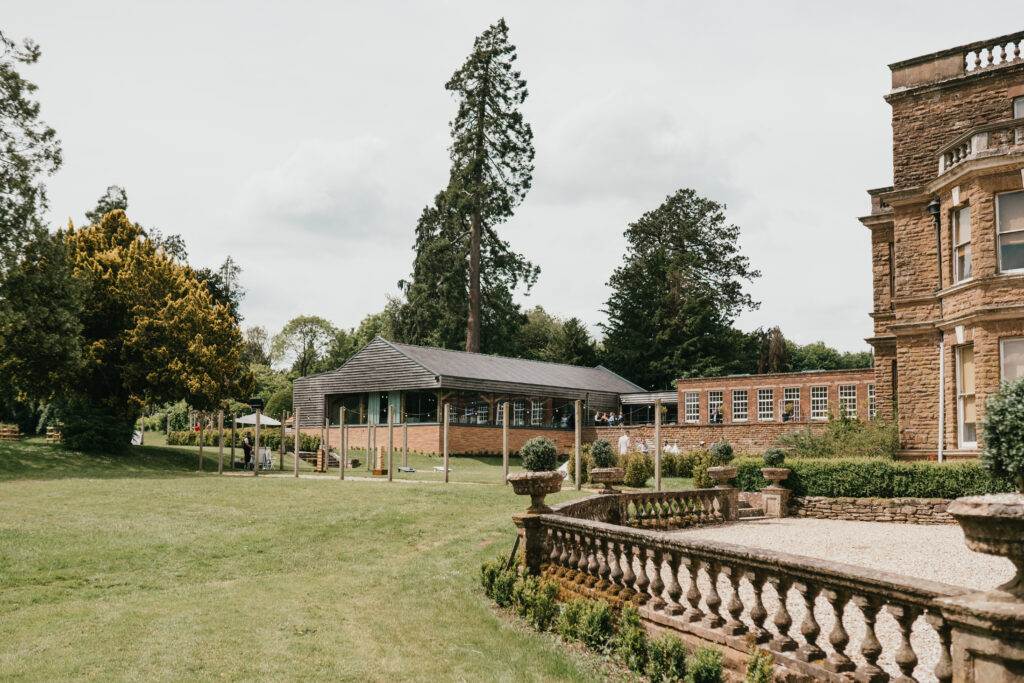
[937, 553]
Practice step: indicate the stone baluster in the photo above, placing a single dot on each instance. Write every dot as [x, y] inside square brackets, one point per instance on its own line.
[592, 564]
[692, 612]
[574, 557]
[642, 581]
[657, 584]
[839, 638]
[672, 588]
[603, 570]
[711, 598]
[943, 669]
[628, 577]
[758, 614]
[563, 558]
[905, 657]
[615, 569]
[809, 627]
[870, 648]
[554, 537]
[733, 607]
[582, 561]
[783, 642]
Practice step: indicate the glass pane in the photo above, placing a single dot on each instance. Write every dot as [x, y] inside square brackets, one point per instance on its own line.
[966, 369]
[970, 416]
[1018, 108]
[963, 225]
[1011, 211]
[1013, 359]
[1011, 250]
[963, 262]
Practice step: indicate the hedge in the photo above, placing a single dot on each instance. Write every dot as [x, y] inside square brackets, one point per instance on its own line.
[875, 478]
[270, 437]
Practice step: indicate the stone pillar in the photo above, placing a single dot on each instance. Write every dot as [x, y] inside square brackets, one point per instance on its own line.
[531, 541]
[775, 500]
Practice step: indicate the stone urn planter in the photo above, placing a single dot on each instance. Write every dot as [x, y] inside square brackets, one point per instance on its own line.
[994, 524]
[775, 475]
[607, 476]
[722, 474]
[536, 485]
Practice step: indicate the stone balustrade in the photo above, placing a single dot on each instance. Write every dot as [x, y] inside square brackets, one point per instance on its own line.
[665, 510]
[801, 609]
[984, 55]
[991, 139]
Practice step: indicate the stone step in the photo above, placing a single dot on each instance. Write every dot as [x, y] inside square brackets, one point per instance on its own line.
[748, 512]
[752, 519]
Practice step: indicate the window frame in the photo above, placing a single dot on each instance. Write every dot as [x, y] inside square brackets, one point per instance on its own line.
[844, 408]
[1017, 109]
[1000, 233]
[958, 244]
[768, 402]
[712, 406]
[787, 396]
[691, 399]
[736, 393]
[1002, 355]
[872, 402]
[518, 413]
[536, 412]
[961, 396]
[823, 413]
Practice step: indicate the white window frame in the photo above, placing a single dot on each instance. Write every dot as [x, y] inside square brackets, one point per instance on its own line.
[536, 412]
[1018, 107]
[740, 398]
[790, 395]
[819, 402]
[519, 412]
[1000, 233]
[765, 405]
[483, 413]
[872, 405]
[961, 396]
[691, 407]
[499, 417]
[961, 244]
[1002, 356]
[713, 396]
[848, 403]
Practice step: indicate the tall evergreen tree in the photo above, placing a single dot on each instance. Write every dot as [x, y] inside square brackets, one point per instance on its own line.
[491, 153]
[774, 353]
[113, 199]
[573, 345]
[676, 294]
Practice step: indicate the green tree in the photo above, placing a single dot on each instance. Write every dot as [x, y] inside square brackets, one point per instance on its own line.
[819, 356]
[29, 151]
[224, 284]
[256, 347]
[491, 153]
[304, 340]
[535, 338]
[677, 293]
[113, 199]
[573, 345]
[774, 352]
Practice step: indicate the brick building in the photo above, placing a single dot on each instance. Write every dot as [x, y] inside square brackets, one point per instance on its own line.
[947, 242]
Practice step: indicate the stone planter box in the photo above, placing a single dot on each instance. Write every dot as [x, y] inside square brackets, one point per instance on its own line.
[994, 524]
[607, 476]
[723, 474]
[775, 475]
[537, 485]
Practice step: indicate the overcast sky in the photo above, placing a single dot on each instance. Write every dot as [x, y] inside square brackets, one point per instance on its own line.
[304, 138]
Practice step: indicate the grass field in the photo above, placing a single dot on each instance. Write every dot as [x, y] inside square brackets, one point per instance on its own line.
[140, 567]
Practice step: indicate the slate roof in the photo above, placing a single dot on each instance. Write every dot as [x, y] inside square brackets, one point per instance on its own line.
[448, 363]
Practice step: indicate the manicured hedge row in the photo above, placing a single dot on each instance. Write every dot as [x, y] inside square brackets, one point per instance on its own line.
[269, 437]
[875, 478]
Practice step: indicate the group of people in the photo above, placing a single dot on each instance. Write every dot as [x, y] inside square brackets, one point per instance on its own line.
[608, 419]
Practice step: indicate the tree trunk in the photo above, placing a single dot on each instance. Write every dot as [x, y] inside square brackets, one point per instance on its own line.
[473, 321]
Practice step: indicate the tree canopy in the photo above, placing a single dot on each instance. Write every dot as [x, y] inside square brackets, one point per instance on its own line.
[304, 341]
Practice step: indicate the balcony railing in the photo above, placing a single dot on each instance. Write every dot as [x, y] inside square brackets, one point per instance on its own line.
[998, 51]
[992, 139]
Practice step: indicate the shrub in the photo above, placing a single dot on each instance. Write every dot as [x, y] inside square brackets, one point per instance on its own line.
[773, 456]
[489, 571]
[684, 466]
[544, 610]
[639, 468]
[666, 659]
[705, 666]
[669, 464]
[539, 454]
[701, 478]
[631, 642]
[524, 590]
[602, 454]
[722, 452]
[585, 465]
[597, 625]
[760, 666]
[1003, 431]
[844, 437]
[875, 478]
[568, 623]
[504, 583]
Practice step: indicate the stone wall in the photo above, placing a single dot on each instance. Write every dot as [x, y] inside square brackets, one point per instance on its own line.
[898, 510]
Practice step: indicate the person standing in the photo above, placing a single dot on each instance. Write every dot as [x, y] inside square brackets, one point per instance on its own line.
[247, 449]
[624, 443]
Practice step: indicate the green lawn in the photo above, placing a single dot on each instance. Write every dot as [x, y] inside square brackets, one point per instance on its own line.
[139, 567]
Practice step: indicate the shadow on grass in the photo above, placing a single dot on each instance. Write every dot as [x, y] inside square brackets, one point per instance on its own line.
[27, 460]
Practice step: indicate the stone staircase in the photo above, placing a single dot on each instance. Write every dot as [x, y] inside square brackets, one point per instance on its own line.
[748, 512]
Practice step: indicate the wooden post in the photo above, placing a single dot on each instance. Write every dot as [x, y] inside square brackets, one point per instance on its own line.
[657, 444]
[325, 443]
[405, 443]
[504, 442]
[369, 453]
[220, 442]
[295, 428]
[234, 428]
[256, 447]
[201, 433]
[168, 430]
[342, 444]
[284, 417]
[578, 447]
[447, 410]
[391, 440]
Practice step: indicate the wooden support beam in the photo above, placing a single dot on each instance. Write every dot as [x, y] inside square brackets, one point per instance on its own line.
[256, 447]
[391, 440]
[447, 411]
[220, 442]
[504, 442]
[298, 440]
[578, 446]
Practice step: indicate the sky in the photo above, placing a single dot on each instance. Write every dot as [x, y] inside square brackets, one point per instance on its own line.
[304, 138]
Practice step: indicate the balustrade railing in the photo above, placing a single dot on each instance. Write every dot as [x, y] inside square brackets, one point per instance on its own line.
[983, 55]
[664, 510]
[829, 620]
[987, 140]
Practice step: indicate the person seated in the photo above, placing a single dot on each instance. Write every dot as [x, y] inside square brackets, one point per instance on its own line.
[716, 417]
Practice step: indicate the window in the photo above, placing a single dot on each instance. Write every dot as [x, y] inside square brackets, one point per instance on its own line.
[1010, 224]
[536, 412]
[765, 398]
[1018, 108]
[691, 406]
[966, 414]
[518, 413]
[714, 407]
[819, 403]
[962, 244]
[739, 406]
[499, 416]
[848, 400]
[1011, 352]
[421, 406]
[790, 404]
[871, 402]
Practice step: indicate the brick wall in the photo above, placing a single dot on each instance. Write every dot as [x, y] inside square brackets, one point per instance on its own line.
[752, 438]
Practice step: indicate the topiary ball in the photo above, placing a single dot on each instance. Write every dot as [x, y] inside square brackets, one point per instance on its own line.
[539, 454]
[602, 455]
[774, 456]
[722, 452]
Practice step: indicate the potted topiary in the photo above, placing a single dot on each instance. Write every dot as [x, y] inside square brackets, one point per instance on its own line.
[994, 523]
[540, 478]
[605, 470]
[773, 470]
[721, 455]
